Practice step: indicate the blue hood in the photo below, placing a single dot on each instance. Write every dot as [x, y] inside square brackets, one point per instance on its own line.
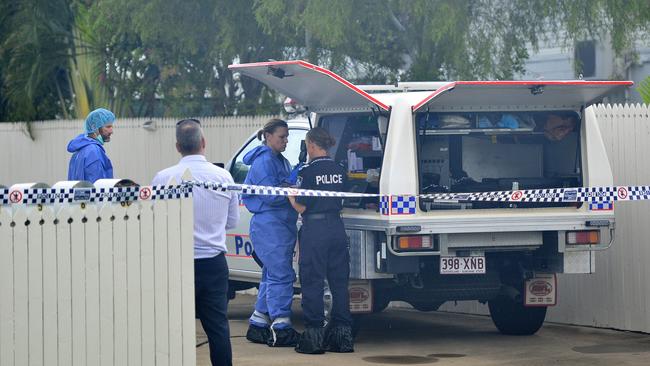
[89, 160]
[250, 156]
[80, 142]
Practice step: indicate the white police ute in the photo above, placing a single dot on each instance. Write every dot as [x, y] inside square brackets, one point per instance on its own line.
[425, 149]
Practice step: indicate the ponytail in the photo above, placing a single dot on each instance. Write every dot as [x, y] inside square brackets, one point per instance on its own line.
[270, 127]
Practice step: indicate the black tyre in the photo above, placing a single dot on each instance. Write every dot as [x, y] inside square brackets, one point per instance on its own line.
[513, 318]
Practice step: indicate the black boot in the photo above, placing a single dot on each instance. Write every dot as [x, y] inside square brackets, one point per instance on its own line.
[287, 337]
[311, 341]
[338, 338]
[258, 334]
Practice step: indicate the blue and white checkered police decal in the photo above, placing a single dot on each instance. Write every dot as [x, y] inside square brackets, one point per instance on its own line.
[384, 202]
[403, 205]
[601, 206]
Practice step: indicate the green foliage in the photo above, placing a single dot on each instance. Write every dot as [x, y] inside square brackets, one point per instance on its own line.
[34, 51]
[60, 58]
[644, 90]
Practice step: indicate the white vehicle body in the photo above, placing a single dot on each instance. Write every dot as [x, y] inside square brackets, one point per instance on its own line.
[417, 138]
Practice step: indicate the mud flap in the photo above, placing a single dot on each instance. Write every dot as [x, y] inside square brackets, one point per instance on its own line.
[541, 290]
[360, 292]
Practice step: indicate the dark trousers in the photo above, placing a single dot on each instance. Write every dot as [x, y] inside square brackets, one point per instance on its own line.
[324, 254]
[211, 296]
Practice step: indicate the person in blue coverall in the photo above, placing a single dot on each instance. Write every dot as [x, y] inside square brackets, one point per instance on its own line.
[89, 160]
[273, 232]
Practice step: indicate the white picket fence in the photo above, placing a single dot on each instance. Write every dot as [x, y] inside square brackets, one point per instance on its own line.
[97, 284]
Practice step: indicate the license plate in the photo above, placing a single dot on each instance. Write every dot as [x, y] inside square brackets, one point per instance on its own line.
[462, 265]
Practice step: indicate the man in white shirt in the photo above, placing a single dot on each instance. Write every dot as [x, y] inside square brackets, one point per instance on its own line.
[214, 213]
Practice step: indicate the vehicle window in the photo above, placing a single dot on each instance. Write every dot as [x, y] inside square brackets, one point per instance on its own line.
[239, 169]
[359, 148]
[293, 147]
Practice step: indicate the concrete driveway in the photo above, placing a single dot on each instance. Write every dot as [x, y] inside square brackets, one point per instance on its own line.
[407, 337]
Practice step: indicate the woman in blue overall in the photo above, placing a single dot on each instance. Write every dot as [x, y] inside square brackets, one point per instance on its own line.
[324, 252]
[273, 233]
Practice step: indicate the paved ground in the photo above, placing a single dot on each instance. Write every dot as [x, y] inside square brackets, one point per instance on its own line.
[406, 337]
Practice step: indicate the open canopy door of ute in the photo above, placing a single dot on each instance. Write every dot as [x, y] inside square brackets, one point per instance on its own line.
[318, 89]
[508, 95]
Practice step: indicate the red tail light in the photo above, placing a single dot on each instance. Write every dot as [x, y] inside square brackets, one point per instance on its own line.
[583, 237]
[415, 242]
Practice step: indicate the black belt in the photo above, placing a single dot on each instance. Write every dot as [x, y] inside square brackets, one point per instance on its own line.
[321, 216]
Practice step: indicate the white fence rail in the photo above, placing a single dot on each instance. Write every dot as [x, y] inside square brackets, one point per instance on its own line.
[97, 284]
[137, 153]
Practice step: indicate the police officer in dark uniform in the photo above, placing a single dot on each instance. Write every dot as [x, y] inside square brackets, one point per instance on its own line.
[324, 252]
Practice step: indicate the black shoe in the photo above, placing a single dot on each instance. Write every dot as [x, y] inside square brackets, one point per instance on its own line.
[258, 334]
[311, 341]
[282, 337]
[338, 338]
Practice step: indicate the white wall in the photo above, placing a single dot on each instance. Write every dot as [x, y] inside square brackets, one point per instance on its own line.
[136, 153]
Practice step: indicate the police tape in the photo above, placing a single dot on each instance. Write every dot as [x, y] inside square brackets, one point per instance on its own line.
[144, 193]
[274, 191]
[32, 196]
[579, 194]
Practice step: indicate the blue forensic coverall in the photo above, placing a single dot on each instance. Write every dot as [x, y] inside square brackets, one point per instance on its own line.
[89, 160]
[273, 232]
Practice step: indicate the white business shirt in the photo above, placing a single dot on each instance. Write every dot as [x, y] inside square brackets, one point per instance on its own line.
[214, 212]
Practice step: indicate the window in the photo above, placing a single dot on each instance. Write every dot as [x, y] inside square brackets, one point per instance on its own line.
[239, 170]
[360, 149]
[585, 56]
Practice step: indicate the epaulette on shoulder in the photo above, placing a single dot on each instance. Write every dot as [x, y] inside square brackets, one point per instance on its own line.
[303, 167]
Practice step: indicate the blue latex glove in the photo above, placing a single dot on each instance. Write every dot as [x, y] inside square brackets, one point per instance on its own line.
[293, 176]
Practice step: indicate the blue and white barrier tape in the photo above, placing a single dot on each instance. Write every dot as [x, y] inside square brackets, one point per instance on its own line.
[581, 194]
[125, 194]
[78, 195]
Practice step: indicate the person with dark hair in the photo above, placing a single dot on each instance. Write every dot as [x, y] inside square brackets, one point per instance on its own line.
[214, 213]
[324, 252]
[273, 233]
[89, 160]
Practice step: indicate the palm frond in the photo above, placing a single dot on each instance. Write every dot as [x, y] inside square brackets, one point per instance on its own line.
[644, 90]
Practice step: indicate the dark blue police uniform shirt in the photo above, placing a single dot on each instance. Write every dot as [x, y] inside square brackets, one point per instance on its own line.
[322, 174]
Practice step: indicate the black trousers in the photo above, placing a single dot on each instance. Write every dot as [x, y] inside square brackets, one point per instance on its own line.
[211, 297]
[324, 254]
